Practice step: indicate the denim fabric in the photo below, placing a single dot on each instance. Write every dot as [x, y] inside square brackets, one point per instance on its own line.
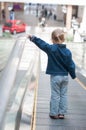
[58, 102]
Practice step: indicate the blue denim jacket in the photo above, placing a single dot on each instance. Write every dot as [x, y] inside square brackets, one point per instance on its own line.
[59, 58]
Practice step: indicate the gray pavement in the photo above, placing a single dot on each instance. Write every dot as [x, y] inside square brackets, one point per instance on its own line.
[32, 20]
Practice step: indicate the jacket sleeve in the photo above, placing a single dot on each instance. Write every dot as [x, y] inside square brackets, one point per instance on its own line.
[40, 43]
[71, 67]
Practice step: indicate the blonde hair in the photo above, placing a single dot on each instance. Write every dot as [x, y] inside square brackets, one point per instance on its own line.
[58, 36]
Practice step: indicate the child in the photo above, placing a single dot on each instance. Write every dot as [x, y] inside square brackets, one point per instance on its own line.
[43, 22]
[60, 63]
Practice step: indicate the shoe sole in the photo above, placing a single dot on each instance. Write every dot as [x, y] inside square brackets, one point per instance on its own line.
[61, 117]
[54, 117]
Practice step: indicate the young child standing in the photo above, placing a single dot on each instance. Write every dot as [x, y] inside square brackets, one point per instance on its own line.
[59, 64]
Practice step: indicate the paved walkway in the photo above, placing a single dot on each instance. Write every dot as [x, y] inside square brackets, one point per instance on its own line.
[76, 117]
[32, 20]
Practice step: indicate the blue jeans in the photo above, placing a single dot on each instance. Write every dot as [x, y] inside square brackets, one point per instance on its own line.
[58, 102]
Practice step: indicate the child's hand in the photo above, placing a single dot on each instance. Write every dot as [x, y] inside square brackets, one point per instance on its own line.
[29, 36]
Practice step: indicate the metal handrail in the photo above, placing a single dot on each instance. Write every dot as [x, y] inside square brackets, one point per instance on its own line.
[8, 77]
[19, 99]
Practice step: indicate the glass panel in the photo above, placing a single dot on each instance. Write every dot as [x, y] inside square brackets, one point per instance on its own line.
[8, 24]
